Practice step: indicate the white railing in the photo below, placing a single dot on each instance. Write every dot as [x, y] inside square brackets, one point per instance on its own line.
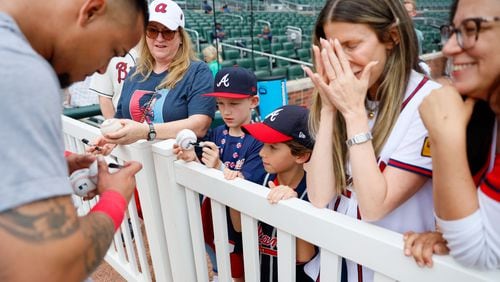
[122, 253]
[178, 250]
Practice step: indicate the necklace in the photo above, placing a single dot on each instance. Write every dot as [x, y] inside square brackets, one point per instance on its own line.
[371, 108]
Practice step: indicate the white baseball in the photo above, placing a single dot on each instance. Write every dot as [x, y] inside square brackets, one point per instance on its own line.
[93, 172]
[110, 125]
[81, 182]
[184, 139]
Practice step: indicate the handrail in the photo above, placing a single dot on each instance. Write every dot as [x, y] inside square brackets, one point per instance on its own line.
[263, 21]
[197, 38]
[332, 232]
[267, 54]
[233, 15]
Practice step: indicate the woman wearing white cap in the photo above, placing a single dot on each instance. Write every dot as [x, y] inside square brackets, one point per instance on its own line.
[163, 94]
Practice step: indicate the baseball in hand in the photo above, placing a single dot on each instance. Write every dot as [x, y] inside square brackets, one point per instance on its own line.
[81, 182]
[185, 139]
[110, 125]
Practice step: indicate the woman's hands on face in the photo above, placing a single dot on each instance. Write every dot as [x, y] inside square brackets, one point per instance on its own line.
[337, 84]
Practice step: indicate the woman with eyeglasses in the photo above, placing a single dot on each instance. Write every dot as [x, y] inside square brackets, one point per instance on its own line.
[466, 183]
[371, 160]
[163, 93]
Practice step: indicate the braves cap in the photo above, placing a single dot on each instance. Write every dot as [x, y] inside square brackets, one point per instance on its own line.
[234, 82]
[284, 124]
[166, 12]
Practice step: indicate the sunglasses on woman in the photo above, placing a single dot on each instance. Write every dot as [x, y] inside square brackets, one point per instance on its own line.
[167, 34]
[467, 32]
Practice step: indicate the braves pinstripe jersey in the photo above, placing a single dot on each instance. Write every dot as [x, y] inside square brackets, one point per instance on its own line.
[406, 148]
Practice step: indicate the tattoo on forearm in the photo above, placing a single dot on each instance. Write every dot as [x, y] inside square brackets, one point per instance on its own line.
[51, 220]
[97, 230]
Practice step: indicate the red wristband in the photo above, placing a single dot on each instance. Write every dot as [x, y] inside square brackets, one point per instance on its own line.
[113, 204]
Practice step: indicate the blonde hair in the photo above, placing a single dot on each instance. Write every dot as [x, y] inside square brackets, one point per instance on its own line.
[381, 16]
[177, 68]
[210, 53]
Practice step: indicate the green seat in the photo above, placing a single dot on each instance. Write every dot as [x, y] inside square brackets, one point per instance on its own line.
[275, 47]
[260, 74]
[295, 72]
[265, 45]
[287, 46]
[231, 54]
[227, 63]
[279, 72]
[262, 63]
[245, 63]
[82, 112]
[281, 62]
[304, 54]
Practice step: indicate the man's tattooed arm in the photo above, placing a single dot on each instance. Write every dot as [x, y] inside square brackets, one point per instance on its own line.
[71, 245]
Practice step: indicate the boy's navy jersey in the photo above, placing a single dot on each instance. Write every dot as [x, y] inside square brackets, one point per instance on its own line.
[268, 244]
[239, 153]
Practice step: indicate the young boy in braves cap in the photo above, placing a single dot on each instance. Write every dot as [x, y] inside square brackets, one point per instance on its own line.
[287, 146]
[229, 149]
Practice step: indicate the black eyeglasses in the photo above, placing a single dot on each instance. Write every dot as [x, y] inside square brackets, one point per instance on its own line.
[467, 32]
[153, 32]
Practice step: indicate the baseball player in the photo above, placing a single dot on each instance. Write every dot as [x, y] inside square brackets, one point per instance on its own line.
[108, 86]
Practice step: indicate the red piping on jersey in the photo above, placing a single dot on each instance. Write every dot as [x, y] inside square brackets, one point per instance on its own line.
[420, 85]
[411, 168]
[491, 184]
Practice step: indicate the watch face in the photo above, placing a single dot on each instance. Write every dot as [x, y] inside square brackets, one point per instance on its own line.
[151, 135]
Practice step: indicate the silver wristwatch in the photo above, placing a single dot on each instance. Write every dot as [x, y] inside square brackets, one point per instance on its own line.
[359, 139]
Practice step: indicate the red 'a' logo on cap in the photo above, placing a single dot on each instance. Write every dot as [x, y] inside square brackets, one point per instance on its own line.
[161, 8]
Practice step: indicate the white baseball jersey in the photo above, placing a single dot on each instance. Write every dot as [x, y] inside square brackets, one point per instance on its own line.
[110, 83]
[475, 240]
[406, 148]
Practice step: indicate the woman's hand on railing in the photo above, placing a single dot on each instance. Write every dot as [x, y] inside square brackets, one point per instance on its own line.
[280, 192]
[423, 245]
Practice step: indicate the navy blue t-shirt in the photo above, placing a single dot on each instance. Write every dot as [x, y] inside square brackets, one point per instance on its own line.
[180, 102]
[237, 153]
[268, 244]
[245, 158]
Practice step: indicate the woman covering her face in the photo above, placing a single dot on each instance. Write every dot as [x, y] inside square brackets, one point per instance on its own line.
[371, 159]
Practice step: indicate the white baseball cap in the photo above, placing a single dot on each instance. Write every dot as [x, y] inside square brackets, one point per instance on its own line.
[166, 12]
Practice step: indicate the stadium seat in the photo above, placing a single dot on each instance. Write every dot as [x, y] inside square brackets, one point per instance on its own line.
[304, 55]
[281, 62]
[279, 72]
[295, 72]
[227, 63]
[260, 74]
[262, 63]
[275, 47]
[231, 54]
[245, 63]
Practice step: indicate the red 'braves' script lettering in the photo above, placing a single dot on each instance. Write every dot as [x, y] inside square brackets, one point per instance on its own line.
[161, 8]
[122, 71]
[267, 240]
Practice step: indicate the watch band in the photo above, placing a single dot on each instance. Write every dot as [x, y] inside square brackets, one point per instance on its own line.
[359, 139]
[152, 132]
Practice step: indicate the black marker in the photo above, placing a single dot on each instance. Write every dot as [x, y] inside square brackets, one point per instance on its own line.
[200, 144]
[113, 165]
[87, 142]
